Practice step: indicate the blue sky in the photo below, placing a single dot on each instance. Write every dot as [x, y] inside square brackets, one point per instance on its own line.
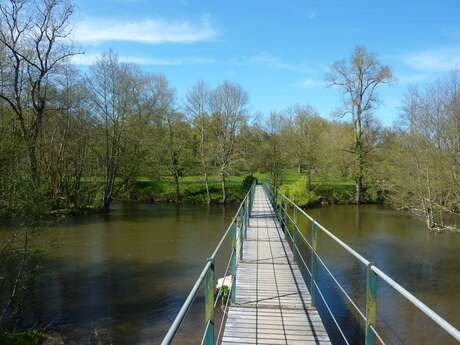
[279, 51]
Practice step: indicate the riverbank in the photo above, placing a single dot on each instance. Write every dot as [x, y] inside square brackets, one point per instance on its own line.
[294, 184]
[192, 191]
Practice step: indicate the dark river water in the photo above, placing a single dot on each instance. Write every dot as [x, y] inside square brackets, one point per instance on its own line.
[120, 279]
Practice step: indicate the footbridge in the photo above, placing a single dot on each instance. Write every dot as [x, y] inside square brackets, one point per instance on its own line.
[268, 291]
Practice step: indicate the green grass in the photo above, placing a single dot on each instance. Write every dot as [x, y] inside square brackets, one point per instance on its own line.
[332, 190]
[192, 189]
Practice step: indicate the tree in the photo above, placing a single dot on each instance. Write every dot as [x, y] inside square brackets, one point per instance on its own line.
[274, 156]
[176, 141]
[34, 36]
[228, 105]
[306, 132]
[197, 106]
[419, 164]
[359, 79]
[110, 84]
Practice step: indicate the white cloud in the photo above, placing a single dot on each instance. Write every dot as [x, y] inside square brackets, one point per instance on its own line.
[269, 60]
[311, 83]
[439, 60]
[149, 31]
[91, 58]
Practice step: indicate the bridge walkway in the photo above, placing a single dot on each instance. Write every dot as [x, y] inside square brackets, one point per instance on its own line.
[272, 302]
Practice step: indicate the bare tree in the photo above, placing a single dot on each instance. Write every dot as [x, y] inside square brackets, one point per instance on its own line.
[228, 104]
[359, 79]
[34, 36]
[197, 106]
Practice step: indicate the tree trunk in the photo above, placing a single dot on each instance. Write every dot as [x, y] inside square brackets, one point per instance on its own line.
[33, 163]
[222, 180]
[309, 179]
[106, 204]
[208, 194]
[108, 190]
[429, 217]
[176, 181]
[359, 172]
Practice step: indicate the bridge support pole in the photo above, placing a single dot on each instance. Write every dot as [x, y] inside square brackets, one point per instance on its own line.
[209, 305]
[285, 217]
[233, 264]
[371, 305]
[295, 227]
[241, 232]
[247, 214]
[314, 245]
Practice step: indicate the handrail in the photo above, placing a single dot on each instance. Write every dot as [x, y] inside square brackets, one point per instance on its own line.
[207, 274]
[185, 307]
[373, 271]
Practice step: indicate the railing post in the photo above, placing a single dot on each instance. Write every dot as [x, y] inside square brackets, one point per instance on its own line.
[233, 264]
[247, 216]
[242, 231]
[209, 304]
[294, 226]
[286, 219]
[371, 305]
[314, 245]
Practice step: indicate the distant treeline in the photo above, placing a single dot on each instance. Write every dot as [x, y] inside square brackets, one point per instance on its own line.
[71, 140]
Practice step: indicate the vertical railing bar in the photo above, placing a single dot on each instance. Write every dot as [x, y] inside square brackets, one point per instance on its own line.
[314, 244]
[209, 304]
[371, 305]
[241, 232]
[233, 290]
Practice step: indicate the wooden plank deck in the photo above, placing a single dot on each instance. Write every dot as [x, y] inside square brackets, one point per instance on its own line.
[272, 301]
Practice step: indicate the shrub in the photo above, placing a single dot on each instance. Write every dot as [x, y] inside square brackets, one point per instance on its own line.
[247, 182]
[299, 193]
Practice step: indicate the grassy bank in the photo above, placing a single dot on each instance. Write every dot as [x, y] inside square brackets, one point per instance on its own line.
[192, 189]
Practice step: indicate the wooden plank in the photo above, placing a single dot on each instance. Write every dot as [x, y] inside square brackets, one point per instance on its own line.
[272, 304]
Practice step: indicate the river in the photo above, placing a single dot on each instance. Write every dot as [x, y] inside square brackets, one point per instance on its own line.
[121, 278]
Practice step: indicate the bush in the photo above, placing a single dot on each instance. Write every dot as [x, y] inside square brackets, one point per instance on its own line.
[299, 193]
[247, 182]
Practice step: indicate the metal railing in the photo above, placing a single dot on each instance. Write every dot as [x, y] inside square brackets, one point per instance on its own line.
[281, 205]
[237, 229]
